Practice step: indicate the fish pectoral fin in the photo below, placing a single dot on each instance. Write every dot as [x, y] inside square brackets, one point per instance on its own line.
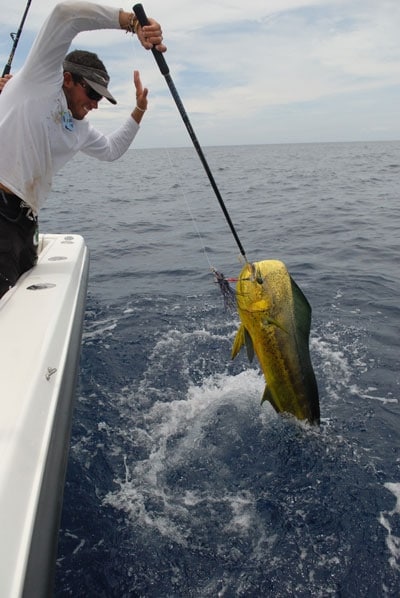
[238, 342]
[269, 321]
[243, 338]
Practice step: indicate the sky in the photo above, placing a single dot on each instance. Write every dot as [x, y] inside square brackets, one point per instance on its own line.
[265, 71]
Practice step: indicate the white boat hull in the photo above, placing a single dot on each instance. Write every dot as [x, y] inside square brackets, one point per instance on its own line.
[40, 337]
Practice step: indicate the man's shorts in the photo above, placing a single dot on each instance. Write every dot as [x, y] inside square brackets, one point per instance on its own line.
[18, 240]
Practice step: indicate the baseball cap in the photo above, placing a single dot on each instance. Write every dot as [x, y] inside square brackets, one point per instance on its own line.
[97, 79]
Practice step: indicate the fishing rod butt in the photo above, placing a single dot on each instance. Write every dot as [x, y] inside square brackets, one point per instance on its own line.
[143, 20]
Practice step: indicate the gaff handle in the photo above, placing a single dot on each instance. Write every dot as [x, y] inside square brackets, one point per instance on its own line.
[141, 15]
[143, 20]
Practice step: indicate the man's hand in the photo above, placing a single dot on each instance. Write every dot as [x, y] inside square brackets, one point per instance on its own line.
[151, 36]
[141, 98]
[3, 81]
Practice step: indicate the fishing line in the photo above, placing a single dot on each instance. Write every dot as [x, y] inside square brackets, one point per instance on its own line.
[15, 37]
[141, 15]
[228, 293]
[196, 228]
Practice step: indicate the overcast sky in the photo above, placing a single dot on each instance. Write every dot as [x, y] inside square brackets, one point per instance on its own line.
[262, 71]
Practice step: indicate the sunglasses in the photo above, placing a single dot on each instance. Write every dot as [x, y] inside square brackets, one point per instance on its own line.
[91, 93]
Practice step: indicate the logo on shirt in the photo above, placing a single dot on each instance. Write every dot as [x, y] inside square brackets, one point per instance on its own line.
[67, 121]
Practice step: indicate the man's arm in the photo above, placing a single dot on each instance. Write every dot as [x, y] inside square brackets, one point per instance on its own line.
[67, 19]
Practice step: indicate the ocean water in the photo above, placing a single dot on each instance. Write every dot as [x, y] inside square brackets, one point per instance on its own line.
[180, 484]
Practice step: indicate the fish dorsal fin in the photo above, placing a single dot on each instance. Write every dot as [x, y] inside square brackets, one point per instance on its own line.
[302, 310]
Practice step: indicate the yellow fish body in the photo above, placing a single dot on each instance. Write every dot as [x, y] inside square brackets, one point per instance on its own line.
[275, 324]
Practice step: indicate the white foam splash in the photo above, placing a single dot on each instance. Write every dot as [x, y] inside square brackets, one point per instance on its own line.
[100, 329]
[355, 390]
[340, 360]
[174, 430]
[334, 364]
[392, 541]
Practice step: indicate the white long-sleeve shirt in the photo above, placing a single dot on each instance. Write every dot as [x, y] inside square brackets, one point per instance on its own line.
[35, 142]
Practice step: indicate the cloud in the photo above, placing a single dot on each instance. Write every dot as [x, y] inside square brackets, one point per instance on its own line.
[264, 72]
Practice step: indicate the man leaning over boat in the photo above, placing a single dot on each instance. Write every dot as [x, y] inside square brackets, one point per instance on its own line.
[43, 123]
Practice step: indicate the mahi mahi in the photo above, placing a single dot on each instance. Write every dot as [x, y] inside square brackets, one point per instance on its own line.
[275, 325]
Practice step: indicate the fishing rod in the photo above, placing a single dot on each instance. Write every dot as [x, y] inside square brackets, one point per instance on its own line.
[159, 57]
[15, 37]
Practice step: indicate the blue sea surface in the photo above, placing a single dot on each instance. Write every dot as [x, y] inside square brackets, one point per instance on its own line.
[180, 484]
